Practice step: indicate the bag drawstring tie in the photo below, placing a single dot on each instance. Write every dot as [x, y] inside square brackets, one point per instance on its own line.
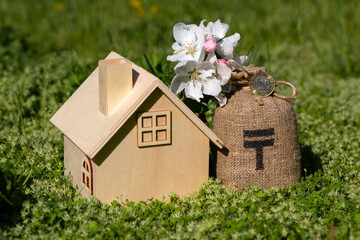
[242, 78]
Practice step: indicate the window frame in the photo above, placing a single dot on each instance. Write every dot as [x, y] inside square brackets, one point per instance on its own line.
[87, 175]
[154, 129]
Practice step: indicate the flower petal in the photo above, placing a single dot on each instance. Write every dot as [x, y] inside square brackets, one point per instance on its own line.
[199, 54]
[201, 25]
[204, 66]
[207, 73]
[224, 73]
[198, 31]
[221, 99]
[206, 69]
[233, 39]
[241, 59]
[184, 67]
[179, 56]
[183, 33]
[193, 90]
[226, 46]
[219, 29]
[179, 83]
[225, 49]
[206, 30]
[211, 58]
[177, 47]
[211, 86]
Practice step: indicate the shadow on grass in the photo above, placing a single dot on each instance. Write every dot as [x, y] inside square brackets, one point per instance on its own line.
[309, 161]
[12, 196]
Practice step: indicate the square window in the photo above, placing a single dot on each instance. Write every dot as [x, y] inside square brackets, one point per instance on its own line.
[161, 120]
[161, 135]
[154, 128]
[147, 122]
[147, 136]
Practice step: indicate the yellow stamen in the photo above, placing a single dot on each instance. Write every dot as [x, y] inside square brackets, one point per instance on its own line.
[190, 47]
[194, 76]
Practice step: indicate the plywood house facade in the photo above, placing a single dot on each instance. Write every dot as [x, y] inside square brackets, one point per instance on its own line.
[127, 136]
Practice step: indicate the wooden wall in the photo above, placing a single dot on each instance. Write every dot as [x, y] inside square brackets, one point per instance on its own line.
[125, 171]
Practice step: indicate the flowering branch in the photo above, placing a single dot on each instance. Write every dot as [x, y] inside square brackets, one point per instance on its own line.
[205, 60]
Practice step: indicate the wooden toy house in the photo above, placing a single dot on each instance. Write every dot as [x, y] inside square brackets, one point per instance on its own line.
[127, 136]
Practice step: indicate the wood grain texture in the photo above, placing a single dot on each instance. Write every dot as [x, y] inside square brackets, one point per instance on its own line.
[125, 171]
[73, 159]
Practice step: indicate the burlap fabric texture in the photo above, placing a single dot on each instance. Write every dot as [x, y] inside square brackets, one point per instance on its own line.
[260, 138]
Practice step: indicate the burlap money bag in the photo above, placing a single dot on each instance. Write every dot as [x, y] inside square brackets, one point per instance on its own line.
[261, 141]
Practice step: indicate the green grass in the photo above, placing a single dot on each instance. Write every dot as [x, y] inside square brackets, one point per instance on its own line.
[48, 49]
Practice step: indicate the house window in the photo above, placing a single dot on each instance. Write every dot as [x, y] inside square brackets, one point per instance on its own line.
[154, 128]
[87, 175]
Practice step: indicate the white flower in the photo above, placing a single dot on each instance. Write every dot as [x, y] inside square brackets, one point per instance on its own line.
[210, 77]
[189, 43]
[223, 72]
[196, 78]
[226, 46]
[218, 30]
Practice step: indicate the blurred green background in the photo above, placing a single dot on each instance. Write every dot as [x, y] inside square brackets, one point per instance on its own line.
[48, 48]
[318, 30]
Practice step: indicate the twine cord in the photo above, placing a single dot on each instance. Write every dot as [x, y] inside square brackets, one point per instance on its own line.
[242, 79]
[294, 94]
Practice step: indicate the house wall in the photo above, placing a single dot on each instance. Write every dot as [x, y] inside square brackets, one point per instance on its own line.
[125, 171]
[73, 159]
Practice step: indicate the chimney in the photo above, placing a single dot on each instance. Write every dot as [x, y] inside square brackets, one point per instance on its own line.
[115, 82]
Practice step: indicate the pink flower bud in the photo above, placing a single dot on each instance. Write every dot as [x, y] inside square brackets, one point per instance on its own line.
[222, 61]
[210, 45]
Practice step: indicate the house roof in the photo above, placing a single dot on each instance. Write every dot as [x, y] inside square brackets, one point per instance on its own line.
[82, 122]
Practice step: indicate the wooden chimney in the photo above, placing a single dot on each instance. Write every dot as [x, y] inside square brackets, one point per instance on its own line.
[115, 82]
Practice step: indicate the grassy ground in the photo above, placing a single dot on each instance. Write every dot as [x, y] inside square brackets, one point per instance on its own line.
[48, 49]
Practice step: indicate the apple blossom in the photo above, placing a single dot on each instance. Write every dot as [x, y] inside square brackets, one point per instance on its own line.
[218, 30]
[223, 72]
[197, 78]
[189, 43]
[226, 46]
